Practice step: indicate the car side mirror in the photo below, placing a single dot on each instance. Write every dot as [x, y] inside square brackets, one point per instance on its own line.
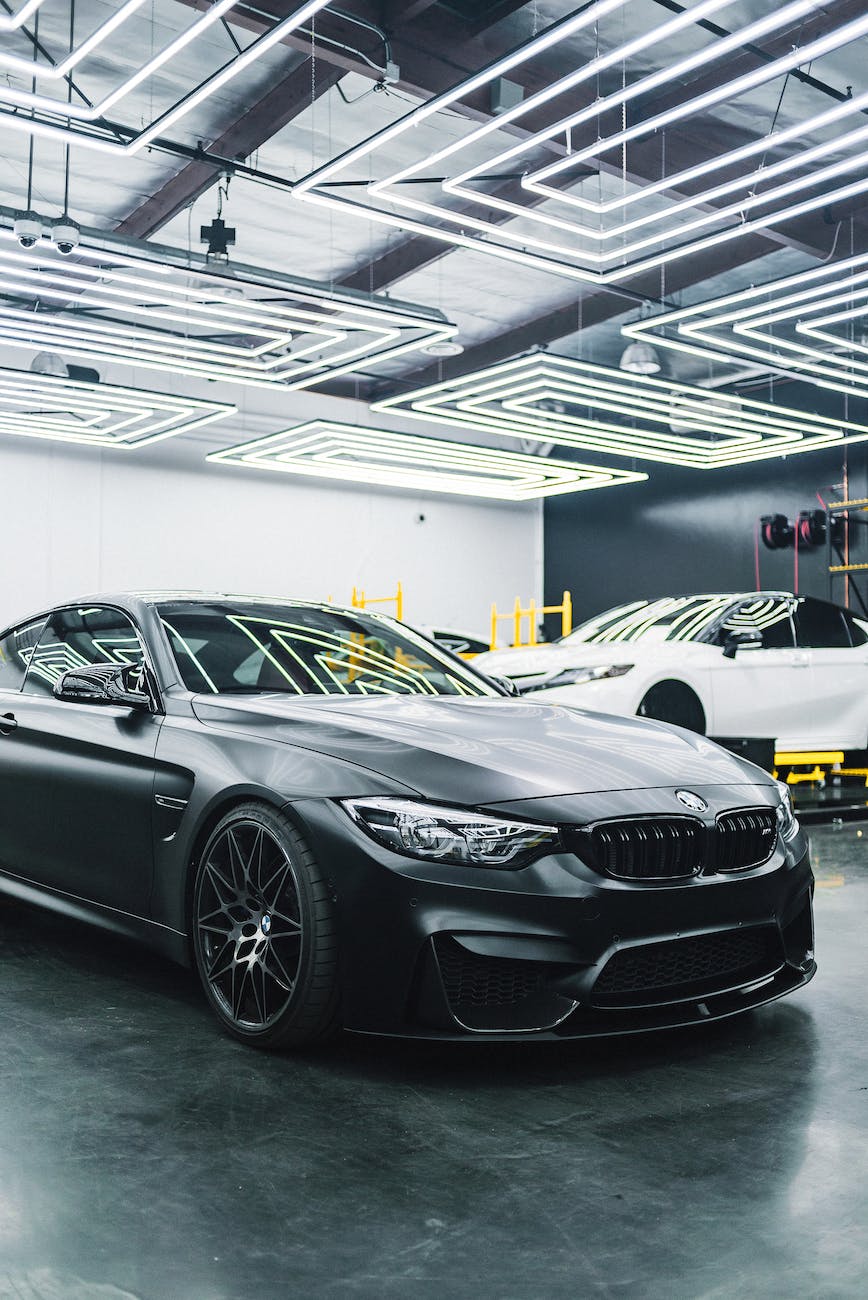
[735, 641]
[123, 685]
[505, 683]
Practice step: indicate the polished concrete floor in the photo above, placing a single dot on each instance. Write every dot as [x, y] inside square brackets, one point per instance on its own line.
[144, 1154]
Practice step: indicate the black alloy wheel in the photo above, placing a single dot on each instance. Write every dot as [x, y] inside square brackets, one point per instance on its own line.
[264, 932]
[674, 702]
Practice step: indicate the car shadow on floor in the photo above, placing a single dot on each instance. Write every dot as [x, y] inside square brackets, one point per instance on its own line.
[67, 958]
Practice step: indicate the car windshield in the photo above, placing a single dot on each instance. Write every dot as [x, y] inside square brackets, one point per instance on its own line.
[249, 647]
[673, 618]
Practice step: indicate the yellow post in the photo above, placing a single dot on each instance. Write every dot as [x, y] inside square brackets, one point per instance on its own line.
[399, 603]
[531, 609]
[516, 619]
[567, 615]
[493, 645]
[353, 601]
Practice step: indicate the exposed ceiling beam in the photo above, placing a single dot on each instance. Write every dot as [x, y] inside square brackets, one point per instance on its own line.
[398, 12]
[276, 109]
[420, 251]
[279, 106]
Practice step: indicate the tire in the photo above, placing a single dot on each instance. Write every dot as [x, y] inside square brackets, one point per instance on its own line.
[264, 932]
[674, 702]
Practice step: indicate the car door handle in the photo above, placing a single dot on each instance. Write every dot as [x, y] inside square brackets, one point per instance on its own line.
[8, 724]
[800, 660]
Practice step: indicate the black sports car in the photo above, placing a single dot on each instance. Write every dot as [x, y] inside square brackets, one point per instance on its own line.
[339, 823]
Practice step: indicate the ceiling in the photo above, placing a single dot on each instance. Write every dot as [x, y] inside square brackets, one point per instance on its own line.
[337, 87]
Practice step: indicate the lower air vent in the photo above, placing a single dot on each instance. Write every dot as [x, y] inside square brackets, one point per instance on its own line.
[474, 981]
[683, 968]
[497, 994]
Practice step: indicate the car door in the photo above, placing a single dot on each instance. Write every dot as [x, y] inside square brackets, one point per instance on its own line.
[839, 674]
[16, 647]
[80, 778]
[763, 692]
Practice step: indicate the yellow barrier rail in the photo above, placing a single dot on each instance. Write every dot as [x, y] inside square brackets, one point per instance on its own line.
[531, 612]
[362, 601]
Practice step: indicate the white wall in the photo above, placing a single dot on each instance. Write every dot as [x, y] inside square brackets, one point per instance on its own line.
[77, 520]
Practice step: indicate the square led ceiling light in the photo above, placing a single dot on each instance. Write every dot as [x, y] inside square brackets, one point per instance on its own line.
[357, 454]
[164, 309]
[18, 15]
[591, 194]
[97, 415]
[596, 408]
[809, 326]
[34, 92]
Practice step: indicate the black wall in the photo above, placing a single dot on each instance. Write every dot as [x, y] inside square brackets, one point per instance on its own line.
[691, 531]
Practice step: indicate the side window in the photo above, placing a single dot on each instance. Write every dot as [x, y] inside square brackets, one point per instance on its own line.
[821, 625]
[15, 651]
[858, 629]
[767, 615]
[78, 638]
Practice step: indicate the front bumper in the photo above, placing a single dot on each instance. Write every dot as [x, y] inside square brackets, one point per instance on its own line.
[555, 950]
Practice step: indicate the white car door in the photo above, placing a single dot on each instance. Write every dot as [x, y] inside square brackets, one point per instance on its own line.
[839, 673]
[763, 692]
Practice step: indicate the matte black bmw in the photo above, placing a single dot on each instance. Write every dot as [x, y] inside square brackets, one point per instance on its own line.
[340, 824]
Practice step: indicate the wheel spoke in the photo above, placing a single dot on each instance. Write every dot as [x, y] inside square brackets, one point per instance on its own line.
[226, 955]
[258, 982]
[238, 987]
[218, 911]
[272, 892]
[283, 978]
[223, 930]
[237, 864]
[286, 919]
[223, 888]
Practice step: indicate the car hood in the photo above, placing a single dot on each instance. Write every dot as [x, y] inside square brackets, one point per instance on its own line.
[478, 751]
[548, 660]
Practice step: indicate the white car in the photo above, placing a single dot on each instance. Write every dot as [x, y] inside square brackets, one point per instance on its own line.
[757, 666]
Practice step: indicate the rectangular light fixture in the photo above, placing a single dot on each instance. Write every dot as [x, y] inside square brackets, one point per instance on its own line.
[808, 326]
[613, 412]
[357, 454]
[10, 22]
[40, 114]
[572, 232]
[96, 415]
[124, 301]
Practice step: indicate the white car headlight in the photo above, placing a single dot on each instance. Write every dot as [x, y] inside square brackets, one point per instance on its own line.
[578, 676]
[450, 834]
[788, 822]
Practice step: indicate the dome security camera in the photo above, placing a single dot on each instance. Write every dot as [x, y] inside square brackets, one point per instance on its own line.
[28, 229]
[65, 235]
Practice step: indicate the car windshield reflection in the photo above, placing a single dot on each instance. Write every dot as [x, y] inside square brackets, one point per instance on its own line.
[307, 650]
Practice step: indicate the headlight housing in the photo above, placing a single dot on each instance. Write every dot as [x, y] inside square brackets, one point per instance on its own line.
[788, 822]
[451, 835]
[578, 676]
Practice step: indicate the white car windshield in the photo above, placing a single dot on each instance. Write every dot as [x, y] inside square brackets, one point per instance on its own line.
[672, 618]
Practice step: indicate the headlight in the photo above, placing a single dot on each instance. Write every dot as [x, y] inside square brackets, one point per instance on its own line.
[788, 822]
[577, 676]
[449, 834]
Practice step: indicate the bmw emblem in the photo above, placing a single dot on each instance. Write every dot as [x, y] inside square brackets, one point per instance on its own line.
[694, 802]
[265, 925]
